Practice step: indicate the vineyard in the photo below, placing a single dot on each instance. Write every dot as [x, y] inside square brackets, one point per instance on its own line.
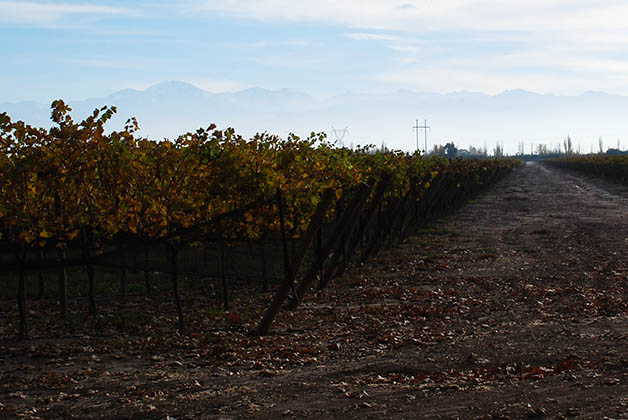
[612, 167]
[213, 276]
[296, 212]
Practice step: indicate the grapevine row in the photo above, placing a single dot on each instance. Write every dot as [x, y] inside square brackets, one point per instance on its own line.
[613, 167]
[75, 186]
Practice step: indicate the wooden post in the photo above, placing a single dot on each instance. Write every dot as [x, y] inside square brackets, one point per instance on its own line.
[343, 225]
[385, 220]
[284, 243]
[372, 243]
[363, 229]
[398, 221]
[429, 198]
[336, 267]
[406, 223]
[223, 277]
[92, 287]
[21, 293]
[172, 259]
[124, 281]
[41, 286]
[147, 285]
[370, 212]
[418, 204]
[264, 271]
[90, 271]
[62, 280]
[340, 250]
[40, 292]
[304, 244]
[433, 199]
[319, 254]
[331, 269]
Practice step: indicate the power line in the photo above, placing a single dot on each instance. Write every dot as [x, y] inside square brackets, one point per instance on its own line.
[425, 127]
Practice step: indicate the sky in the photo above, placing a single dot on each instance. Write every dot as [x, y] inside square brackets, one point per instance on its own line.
[79, 49]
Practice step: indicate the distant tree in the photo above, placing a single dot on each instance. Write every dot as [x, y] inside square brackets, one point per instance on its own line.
[615, 152]
[450, 150]
[568, 146]
[463, 153]
[541, 149]
[438, 150]
[476, 152]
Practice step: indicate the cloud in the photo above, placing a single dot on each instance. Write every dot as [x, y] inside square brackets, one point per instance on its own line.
[267, 43]
[553, 66]
[444, 15]
[409, 50]
[284, 61]
[34, 13]
[360, 36]
[585, 27]
[108, 63]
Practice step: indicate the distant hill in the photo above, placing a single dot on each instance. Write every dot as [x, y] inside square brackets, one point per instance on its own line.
[169, 109]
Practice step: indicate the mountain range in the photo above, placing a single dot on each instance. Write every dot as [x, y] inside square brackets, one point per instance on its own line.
[169, 109]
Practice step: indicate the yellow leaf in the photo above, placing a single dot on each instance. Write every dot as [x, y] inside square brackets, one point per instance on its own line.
[132, 225]
[45, 234]
[29, 237]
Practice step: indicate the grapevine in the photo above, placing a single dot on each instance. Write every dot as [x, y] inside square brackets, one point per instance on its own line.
[76, 186]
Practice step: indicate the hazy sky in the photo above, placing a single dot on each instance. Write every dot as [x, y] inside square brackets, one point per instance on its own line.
[78, 49]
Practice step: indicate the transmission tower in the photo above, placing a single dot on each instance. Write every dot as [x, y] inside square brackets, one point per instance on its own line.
[340, 134]
[418, 127]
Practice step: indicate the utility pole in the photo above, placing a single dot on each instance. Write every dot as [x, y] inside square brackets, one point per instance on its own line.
[418, 127]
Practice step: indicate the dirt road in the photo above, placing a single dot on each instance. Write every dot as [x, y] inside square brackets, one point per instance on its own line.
[525, 307]
[516, 306]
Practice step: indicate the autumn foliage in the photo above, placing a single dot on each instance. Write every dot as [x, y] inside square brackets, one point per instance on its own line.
[609, 166]
[76, 185]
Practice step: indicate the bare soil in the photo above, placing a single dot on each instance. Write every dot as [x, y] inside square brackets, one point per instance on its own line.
[516, 306]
